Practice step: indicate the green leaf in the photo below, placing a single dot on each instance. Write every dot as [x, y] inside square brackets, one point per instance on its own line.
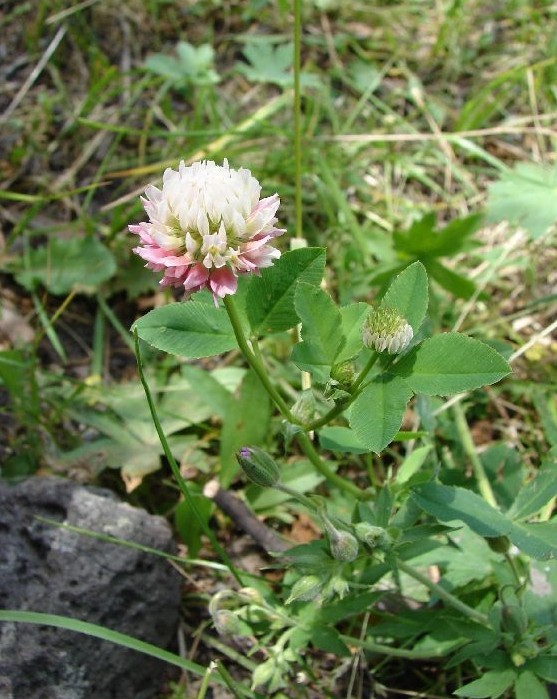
[342, 439]
[246, 425]
[328, 639]
[376, 414]
[211, 391]
[528, 686]
[187, 523]
[421, 239]
[352, 318]
[271, 64]
[492, 685]
[191, 329]
[451, 363]
[454, 283]
[321, 322]
[77, 264]
[448, 503]
[525, 195]
[535, 494]
[192, 66]
[268, 63]
[412, 464]
[545, 666]
[408, 294]
[270, 297]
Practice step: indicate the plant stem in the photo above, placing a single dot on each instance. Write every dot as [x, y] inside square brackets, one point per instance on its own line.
[365, 371]
[443, 594]
[175, 468]
[257, 365]
[342, 405]
[470, 450]
[298, 117]
[388, 650]
[341, 483]
[254, 361]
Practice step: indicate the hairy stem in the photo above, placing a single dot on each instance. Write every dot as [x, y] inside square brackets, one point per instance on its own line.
[443, 594]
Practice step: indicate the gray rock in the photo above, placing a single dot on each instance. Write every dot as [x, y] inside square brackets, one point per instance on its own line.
[47, 569]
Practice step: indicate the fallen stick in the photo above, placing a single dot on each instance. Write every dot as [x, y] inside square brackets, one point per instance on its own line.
[239, 513]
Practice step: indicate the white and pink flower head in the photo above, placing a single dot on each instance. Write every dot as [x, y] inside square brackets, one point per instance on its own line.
[207, 225]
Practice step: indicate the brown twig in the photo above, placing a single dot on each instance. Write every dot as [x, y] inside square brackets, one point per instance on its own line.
[231, 505]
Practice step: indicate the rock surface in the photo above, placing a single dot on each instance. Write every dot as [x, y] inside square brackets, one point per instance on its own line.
[44, 568]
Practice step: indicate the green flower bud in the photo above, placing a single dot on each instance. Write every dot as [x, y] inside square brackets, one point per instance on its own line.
[343, 373]
[305, 589]
[374, 537]
[499, 544]
[227, 623]
[385, 330]
[344, 547]
[258, 466]
[250, 595]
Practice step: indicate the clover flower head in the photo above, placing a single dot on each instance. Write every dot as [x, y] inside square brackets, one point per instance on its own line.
[207, 225]
[385, 330]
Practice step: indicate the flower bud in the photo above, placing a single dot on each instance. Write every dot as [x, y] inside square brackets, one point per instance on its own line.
[499, 544]
[385, 330]
[374, 537]
[305, 589]
[258, 466]
[227, 623]
[344, 547]
[250, 595]
[343, 373]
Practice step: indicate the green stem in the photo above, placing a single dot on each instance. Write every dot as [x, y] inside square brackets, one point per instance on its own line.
[254, 361]
[257, 365]
[341, 483]
[365, 371]
[443, 594]
[298, 116]
[470, 450]
[514, 569]
[175, 468]
[206, 679]
[302, 499]
[395, 652]
[342, 405]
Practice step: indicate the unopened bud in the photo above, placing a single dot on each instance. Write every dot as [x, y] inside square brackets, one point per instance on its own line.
[343, 373]
[374, 537]
[250, 595]
[258, 466]
[227, 623]
[305, 589]
[499, 544]
[385, 330]
[344, 547]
